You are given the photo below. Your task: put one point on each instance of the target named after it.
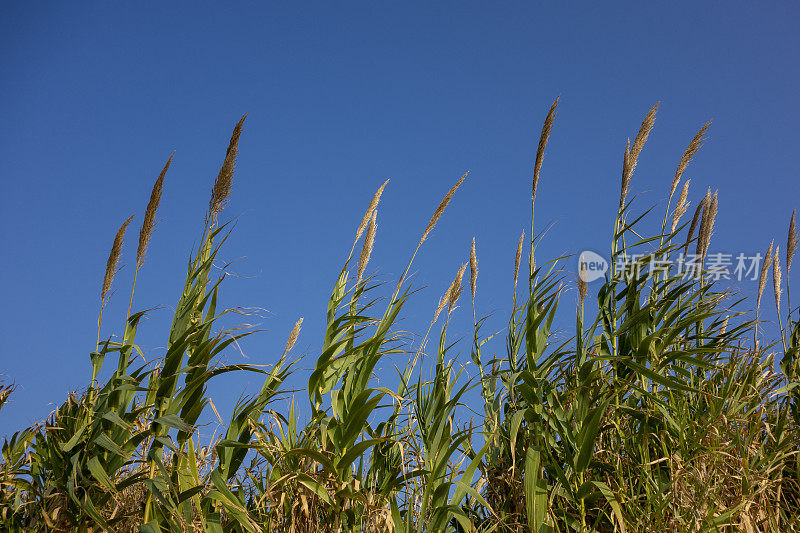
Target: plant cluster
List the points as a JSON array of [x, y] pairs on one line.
[[665, 411]]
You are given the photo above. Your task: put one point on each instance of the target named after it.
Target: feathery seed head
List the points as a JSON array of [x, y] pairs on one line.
[[366, 250], [454, 292], [683, 204], [708, 229], [112, 265], [518, 259], [633, 150], [791, 244], [293, 336], [762, 278], [776, 278], [644, 133], [222, 185], [442, 302], [473, 269], [695, 145], [372, 205], [583, 287], [543, 138], [440, 209], [627, 172], [695, 219], [148, 224], [704, 221]]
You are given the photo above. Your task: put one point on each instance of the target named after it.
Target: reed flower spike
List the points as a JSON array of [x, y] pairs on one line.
[[695, 145], [149, 222], [440, 209], [221, 191], [112, 265]]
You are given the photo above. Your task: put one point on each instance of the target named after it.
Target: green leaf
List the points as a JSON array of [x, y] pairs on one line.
[[589, 430], [535, 490], [658, 378], [175, 422], [99, 473]]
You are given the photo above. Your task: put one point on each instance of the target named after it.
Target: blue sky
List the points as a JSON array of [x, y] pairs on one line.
[[341, 96]]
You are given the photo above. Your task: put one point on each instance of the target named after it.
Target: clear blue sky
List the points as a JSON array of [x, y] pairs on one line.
[[342, 95]]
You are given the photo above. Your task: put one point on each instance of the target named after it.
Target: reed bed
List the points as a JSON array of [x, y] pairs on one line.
[[665, 411]]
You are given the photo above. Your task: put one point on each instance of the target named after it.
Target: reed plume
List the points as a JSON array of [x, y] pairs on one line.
[[791, 244], [776, 279], [224, 182], [434, 219], [583, 287], [643, 134], [626, 175], [704, 220], [703, 223], [112, 265], [145, 234], [543, 138], [372, 205], [632, 151], [707, 226], [293, 336], [695, 219], [366, 250], [451, 295], [791, 248], [473, 269], [518, 259], [695, 145], [454, 292], [440, 306], [762, 278], [683, 204], [148, 224], [440, 209]]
